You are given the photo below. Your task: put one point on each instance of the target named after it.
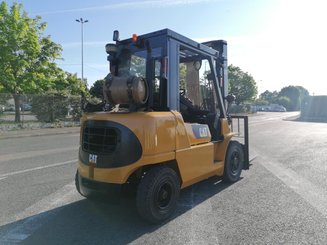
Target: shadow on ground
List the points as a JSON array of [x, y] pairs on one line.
[[97, 222]]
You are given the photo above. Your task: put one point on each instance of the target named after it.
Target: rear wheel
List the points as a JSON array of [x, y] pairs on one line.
[[233, 162], [157, 194]]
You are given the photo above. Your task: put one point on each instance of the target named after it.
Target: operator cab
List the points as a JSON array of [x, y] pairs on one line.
[[164, 71]]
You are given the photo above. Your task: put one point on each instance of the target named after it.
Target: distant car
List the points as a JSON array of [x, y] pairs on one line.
[[279, 109], [26, 107], [276, 108], [10, 108]]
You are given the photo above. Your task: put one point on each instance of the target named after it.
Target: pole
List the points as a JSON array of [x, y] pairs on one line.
[[82, 54], [82, 47], [82, 21]]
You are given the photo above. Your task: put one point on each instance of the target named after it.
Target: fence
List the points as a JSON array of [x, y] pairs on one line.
[[314, 109], [37, 111]]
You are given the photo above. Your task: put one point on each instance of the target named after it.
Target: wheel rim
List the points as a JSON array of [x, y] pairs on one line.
[[235, 163], [163, 196]]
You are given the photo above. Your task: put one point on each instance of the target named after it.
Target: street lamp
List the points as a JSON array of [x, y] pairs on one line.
[[82, 34], [82, 21]]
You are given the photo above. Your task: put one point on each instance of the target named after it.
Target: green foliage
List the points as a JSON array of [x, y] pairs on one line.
[[304, 96], [138, 65], [182, 76], [293, 94], [270, 97], [4, 98], [50, 107], [26, 55], [242, 85], [284, 101], [261, 102], [297, 95], [55, 104], [303, 92], [70, 84], [97, 89], [75, 107], [291, 97]]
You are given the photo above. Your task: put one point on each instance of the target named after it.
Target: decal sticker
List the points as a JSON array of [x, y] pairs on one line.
[[203, 132], [93, 159]]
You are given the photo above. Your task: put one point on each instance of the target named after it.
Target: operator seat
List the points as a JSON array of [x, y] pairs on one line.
[[192, 114]]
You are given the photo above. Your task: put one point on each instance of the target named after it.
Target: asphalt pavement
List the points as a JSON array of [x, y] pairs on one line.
[[282, 199]]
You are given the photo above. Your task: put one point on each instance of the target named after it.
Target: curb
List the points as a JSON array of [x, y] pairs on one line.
[[52, 131]]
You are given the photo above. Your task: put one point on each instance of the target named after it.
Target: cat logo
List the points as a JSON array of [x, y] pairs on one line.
[[203, 132], [93, 159]]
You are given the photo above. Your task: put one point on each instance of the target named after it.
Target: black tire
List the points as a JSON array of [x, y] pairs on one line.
[[157, 194], [234, 162]]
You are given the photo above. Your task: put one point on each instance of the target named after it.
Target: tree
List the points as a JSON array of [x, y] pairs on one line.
[[297, 95], [271, 97], [69, 84], [63, 97], [261, 102], [304, 96], [50, 107], [293, 93], [97, 89], [241, 84], [284, 101], [304, 93], [26, 55], [182, 76]]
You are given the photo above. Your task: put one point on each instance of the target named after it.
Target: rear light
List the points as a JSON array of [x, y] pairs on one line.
[[134, 38]]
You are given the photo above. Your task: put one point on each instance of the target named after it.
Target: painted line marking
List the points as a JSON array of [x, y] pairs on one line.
[[37, 168], [314, 195], [36, 215]]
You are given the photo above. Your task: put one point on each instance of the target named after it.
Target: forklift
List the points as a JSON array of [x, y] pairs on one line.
[[165, 124]]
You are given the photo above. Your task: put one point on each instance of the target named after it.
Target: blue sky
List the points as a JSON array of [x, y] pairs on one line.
[[279, 42]]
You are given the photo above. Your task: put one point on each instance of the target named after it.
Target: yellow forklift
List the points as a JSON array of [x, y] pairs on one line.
[[164, 125]]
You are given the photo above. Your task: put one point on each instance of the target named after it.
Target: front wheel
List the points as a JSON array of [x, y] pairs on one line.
[[157, 194], [234, 162]]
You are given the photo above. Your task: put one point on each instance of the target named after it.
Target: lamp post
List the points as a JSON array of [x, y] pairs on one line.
[[82, 21]]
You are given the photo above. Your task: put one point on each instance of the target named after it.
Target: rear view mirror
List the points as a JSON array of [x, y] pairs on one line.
[[230, 98], [197, 65], [115, 37]]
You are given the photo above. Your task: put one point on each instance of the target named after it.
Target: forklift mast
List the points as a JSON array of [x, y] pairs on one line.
[[221, 65]]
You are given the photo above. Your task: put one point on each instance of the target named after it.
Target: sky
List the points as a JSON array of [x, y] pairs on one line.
[[278, 42]]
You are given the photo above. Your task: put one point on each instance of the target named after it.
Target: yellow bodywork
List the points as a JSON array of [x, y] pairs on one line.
[[165, 138]]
